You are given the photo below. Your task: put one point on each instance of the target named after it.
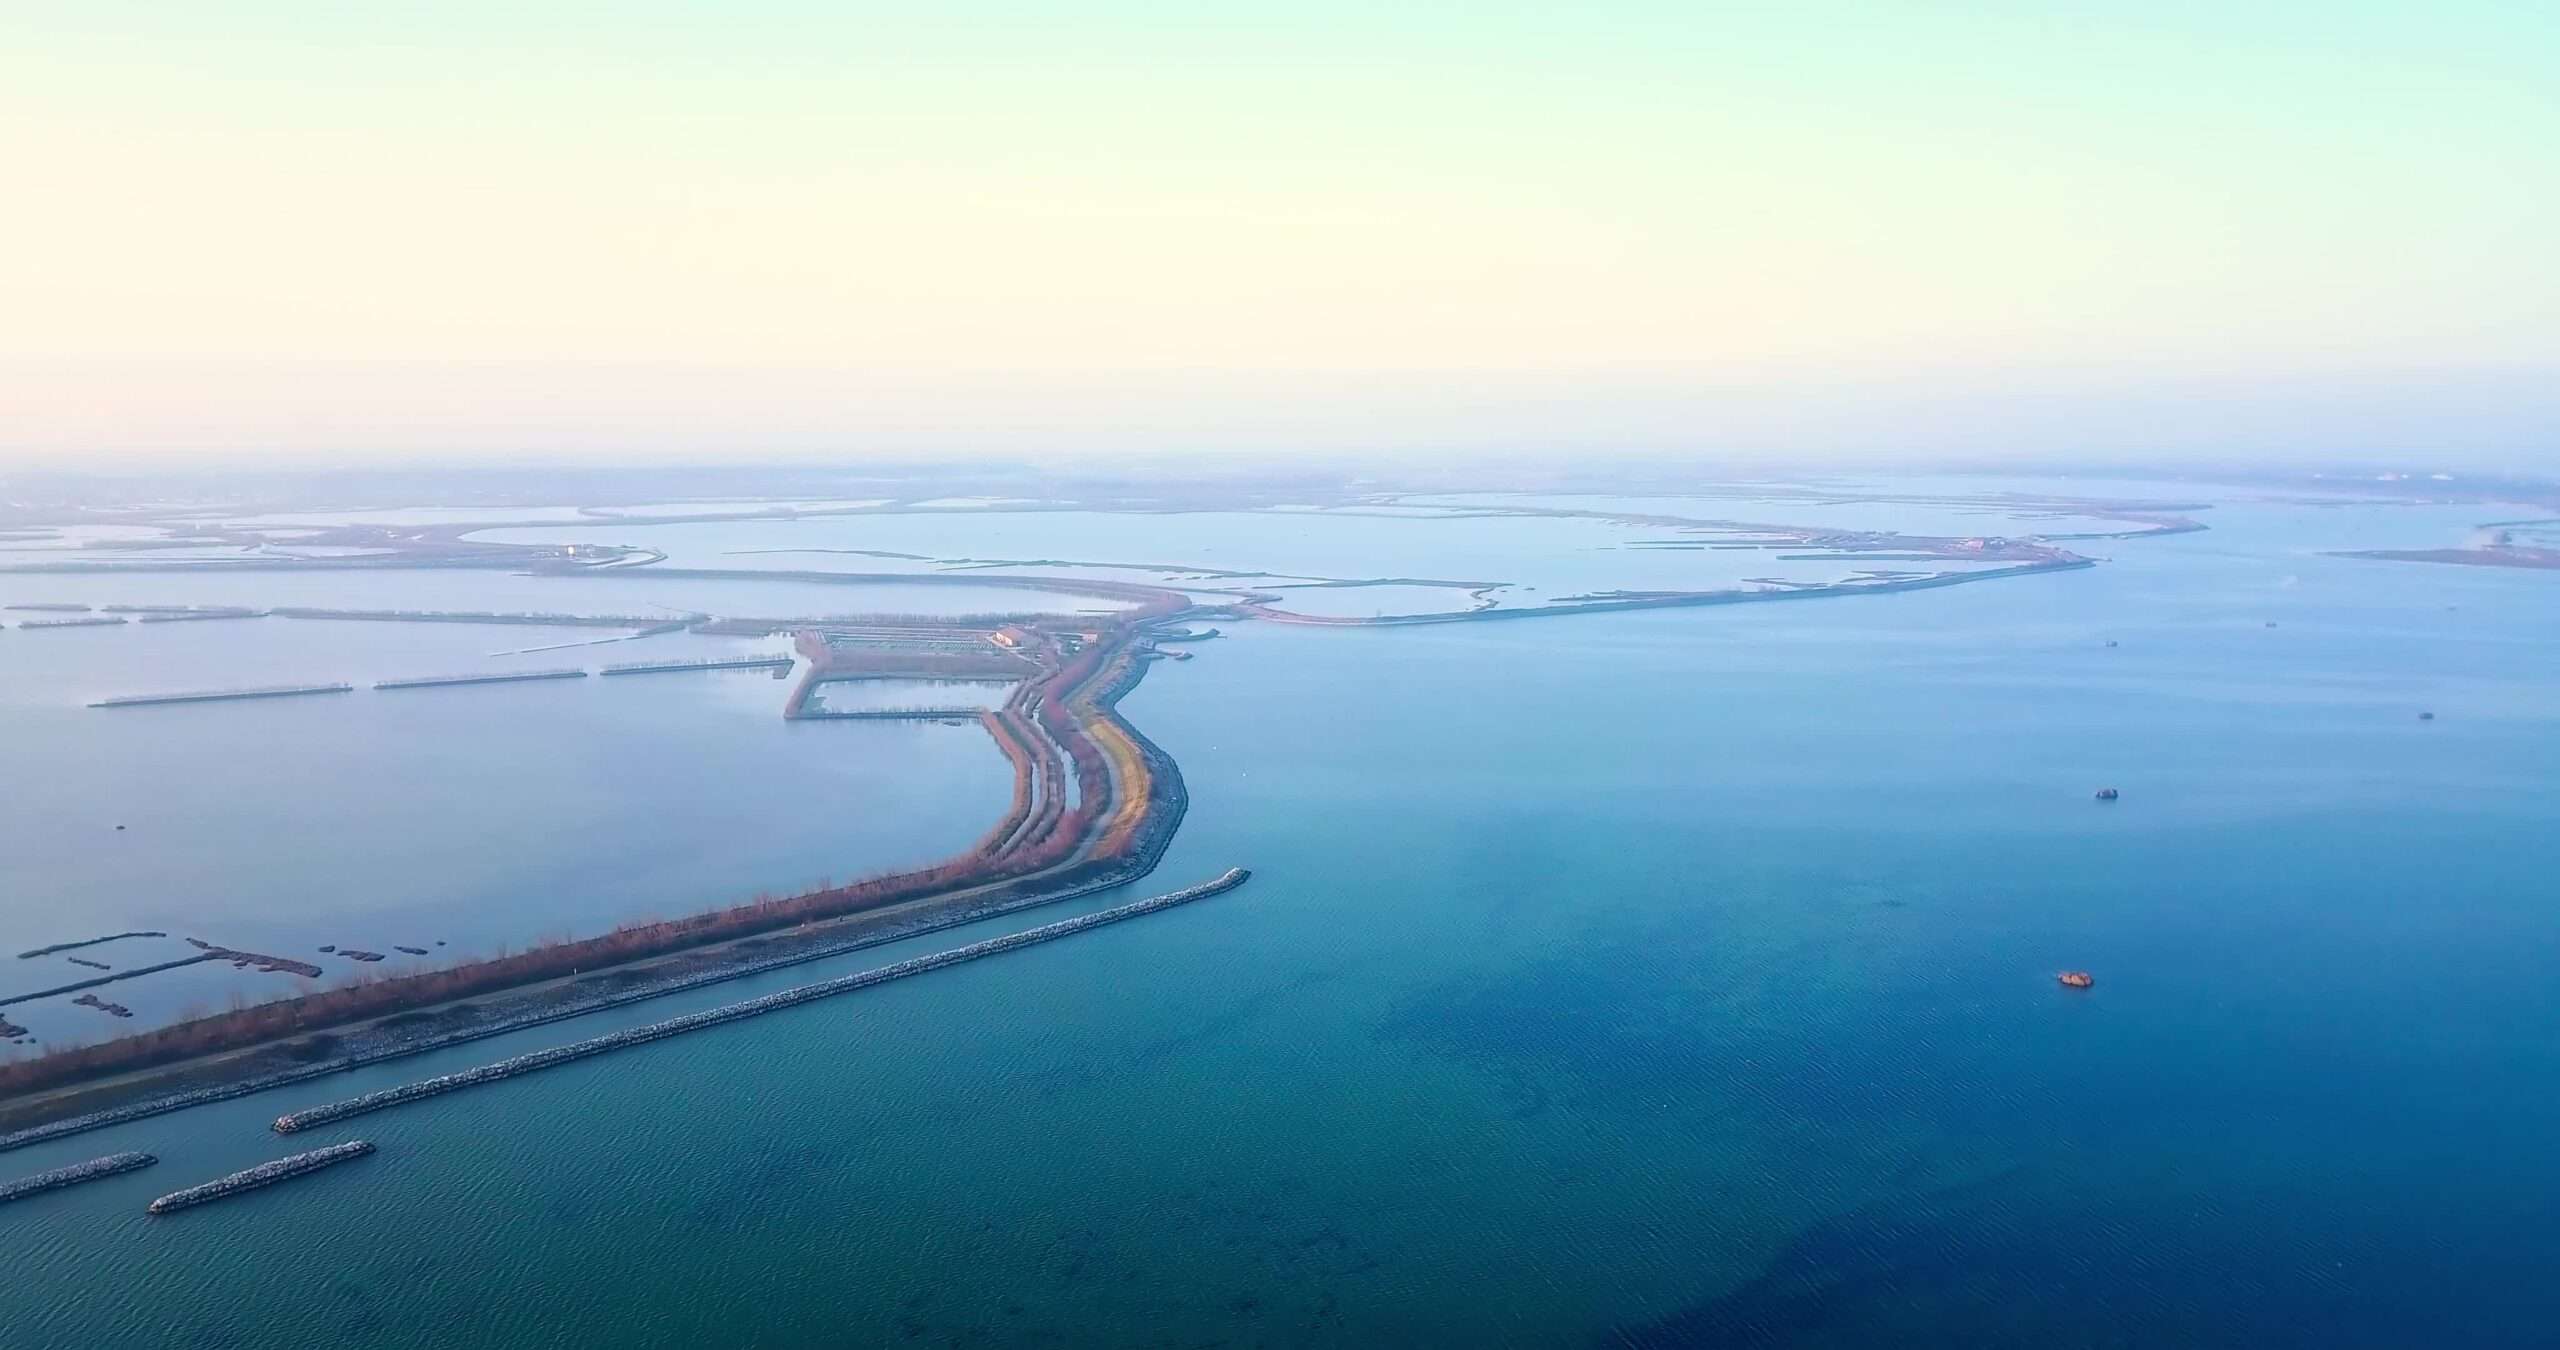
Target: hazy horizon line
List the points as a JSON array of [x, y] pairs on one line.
[[2477, 418]]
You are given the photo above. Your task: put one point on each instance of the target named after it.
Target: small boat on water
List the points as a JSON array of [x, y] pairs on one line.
[[2108, 794], [2076, 979]]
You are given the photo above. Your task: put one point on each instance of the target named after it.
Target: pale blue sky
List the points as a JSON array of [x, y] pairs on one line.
[[2271, 229]]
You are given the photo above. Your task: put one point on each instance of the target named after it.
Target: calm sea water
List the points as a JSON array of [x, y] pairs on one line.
[[473, 817], [1675, 979]]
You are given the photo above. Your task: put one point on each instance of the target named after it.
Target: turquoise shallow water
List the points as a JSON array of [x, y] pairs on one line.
[[1673, 979]]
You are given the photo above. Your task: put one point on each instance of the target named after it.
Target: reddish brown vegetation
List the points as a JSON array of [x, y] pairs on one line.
[[1017, 751]]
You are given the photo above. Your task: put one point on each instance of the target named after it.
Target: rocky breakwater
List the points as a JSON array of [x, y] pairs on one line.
[[264, 1174], [110, 1165], [1081, 852], [788, 998]]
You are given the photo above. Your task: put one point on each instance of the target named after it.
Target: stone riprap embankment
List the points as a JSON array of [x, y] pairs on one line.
[[264, 1174], [111, 1165], [503, 677], [670, 667], [222, 695], [788, 998]]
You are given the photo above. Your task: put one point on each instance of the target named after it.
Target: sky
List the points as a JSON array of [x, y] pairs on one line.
[[2266, 232]]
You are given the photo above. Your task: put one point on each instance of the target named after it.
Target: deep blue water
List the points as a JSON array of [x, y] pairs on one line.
[[1670, 979]]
